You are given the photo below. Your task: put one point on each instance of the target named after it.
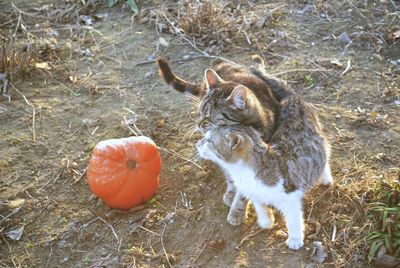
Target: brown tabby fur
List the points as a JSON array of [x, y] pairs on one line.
[[278, 114], [215, 108], [297, 151]]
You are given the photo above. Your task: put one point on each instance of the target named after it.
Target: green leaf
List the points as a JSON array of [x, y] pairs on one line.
[[133, 6], [374, 235], [111, 3], [83, 2], [388, 245], [374, 248]]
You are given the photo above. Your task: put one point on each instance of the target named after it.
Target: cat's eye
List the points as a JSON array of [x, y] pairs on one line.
[[203, 123]]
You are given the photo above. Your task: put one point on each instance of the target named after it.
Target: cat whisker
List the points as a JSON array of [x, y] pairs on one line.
[[193, 98], [189, 134], [172, 152]]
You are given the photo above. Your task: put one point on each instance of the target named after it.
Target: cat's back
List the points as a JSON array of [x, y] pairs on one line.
[[297, 118], [245, 76], [301, 142]]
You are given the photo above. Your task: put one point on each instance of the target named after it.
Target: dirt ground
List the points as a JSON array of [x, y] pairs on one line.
[[100, 80]]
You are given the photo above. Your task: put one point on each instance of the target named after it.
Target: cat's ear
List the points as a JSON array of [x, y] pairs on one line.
[[238, 97], [212, 79], [234, 140]]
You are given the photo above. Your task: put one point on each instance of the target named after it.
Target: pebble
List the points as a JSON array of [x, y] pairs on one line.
[[344, 38]]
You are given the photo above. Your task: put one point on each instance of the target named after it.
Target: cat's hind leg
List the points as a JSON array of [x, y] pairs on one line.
[[293, 214], [237, 212], [265, 215], [326, 177]]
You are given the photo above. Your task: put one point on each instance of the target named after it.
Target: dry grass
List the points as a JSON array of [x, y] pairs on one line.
[[15, 58], [215, 25]]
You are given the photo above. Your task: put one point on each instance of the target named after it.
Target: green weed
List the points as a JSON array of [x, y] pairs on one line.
[[384, 219], [309, 81]]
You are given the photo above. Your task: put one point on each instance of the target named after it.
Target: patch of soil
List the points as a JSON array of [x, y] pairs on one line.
[[100, 82]]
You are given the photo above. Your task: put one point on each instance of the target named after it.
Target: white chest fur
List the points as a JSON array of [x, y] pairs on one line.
[[254, 189]]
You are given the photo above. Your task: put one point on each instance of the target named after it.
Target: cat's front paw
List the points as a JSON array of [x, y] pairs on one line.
[[228, 198], [235, 217], [294, 243]]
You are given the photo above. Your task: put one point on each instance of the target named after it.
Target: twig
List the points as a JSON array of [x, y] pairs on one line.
[[247, 237], [301, 70], [33, 111], [148, 230], [81, 175], [56, 178], [334, 233], [109, 225], [317, 228], [127, 125], [205, 54], [204, 247], [347, 67], [346, 47], [51, 252], [8, 22], [9, 215], [356, 8], [162, 244]]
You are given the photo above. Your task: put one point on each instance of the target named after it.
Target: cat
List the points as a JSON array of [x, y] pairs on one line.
[[230, 93], [224, 103], [277, 173]]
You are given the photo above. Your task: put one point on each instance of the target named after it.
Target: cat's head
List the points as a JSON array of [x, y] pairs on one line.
[[227, 103], [226, 144]]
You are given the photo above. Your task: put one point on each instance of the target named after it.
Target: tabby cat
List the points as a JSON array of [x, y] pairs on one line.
[[257, 105], [277, 173], [232, 94]]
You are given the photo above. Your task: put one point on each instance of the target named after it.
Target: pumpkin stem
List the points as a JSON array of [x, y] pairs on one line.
[[132, 164]]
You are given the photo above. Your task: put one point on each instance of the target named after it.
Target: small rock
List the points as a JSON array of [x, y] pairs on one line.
[[87, 122], [86, 19], [15, 234], [260, 22], [320, 252], [344, 38]]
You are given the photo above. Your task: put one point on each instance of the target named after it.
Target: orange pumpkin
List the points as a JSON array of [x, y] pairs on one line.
[[124, 172]]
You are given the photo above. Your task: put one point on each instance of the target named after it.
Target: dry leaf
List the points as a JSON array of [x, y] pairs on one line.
[[218, 244], [16, 203], [336, 63], [163, 42], [43, 65], [393, 36]]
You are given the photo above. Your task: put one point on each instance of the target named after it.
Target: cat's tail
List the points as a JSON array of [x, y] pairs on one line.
[[176, 82]]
